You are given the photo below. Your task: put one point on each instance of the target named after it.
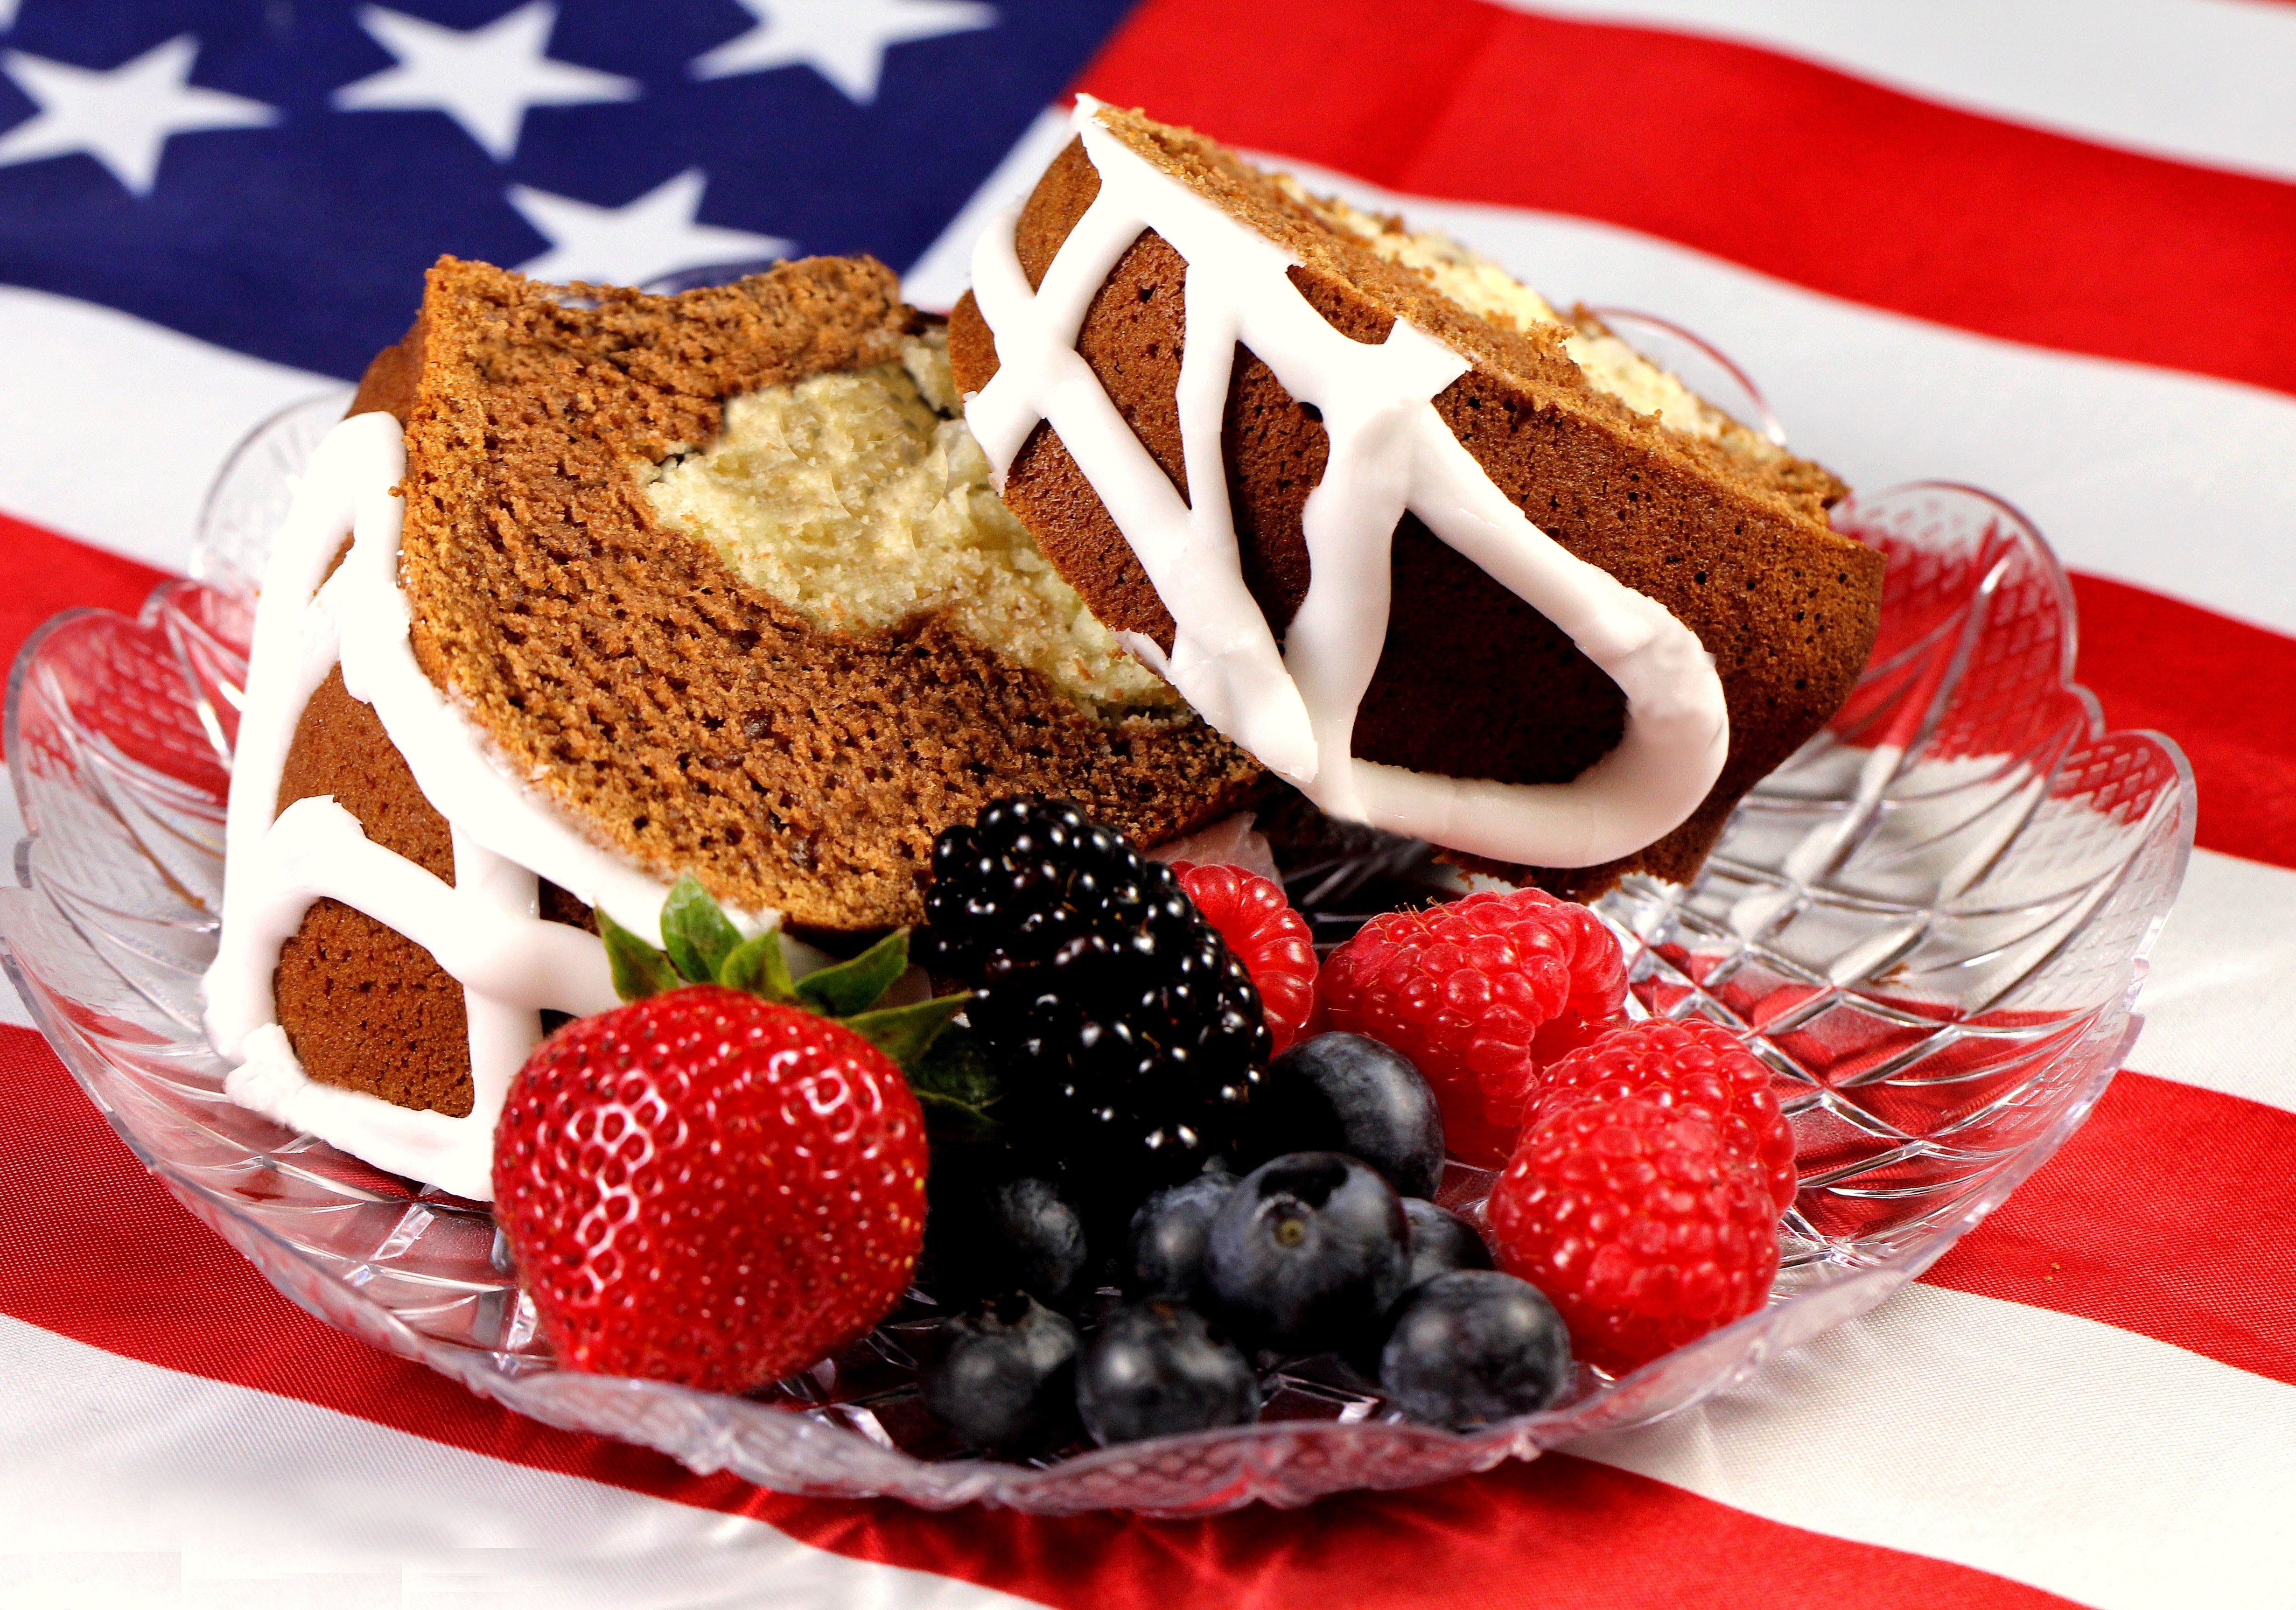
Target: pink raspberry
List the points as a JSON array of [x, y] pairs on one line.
[[1693, 1065], [1270, 939], [1643, 1228], [1480, 993]]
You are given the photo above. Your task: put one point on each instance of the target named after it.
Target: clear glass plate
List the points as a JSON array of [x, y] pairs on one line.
[[1930, 923]]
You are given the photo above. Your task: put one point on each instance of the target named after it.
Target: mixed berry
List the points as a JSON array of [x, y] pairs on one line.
[[1131, 1036], [1144, 1155]]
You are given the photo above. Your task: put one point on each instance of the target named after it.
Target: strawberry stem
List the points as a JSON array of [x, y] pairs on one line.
[[697, 936], [701, 945], [757, 967], [639, 970], [903, 1032], [856, 985]]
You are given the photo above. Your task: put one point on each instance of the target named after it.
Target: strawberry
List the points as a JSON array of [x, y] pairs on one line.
[[719, 1182], [1270, 939]]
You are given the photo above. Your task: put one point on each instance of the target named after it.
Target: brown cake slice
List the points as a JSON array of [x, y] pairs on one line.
[[721, 578], [1609, 456]]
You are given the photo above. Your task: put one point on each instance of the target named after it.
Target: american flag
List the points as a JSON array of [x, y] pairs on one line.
[[2047, 249]]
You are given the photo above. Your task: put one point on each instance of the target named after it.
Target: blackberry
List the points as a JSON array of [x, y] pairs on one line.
[[1130, 1035]]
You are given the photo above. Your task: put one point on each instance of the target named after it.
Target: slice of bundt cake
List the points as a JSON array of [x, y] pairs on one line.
[[779, 641], [1446, 561], [636, 586]]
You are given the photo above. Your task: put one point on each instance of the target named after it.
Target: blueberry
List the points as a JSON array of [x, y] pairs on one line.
[[1307, 1250], [1157, 1369], [1347, 1093], [1475, 1346], [1002, 1376], [1168, 1234], [1441, 1242], [1012, 1235]]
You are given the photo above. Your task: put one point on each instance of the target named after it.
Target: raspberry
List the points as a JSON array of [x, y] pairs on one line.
[[1641, 1225], [1270, 938], [1694, 1065], [1480, 993]]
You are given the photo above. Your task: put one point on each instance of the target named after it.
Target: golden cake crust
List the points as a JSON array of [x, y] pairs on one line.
[[1729, 535]]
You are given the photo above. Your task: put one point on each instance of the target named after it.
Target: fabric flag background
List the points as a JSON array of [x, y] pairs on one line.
[[2047, 249]]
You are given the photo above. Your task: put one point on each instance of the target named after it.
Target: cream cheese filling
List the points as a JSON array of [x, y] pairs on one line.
[[859, 500]]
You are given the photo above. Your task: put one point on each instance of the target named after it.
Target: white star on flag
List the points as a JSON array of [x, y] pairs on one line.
[[484, 78], [844, 41], [7, 13], [121, 116], [646, 240]]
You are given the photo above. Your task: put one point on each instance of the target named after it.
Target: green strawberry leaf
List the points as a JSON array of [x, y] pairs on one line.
[[701, 945], [639, 970], [959, 1090], [903, 1033], [951, 1123], [695, 933], [757, 967], [859, 984], [955, 1070]]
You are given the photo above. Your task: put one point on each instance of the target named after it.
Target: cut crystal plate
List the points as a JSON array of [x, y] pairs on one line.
[[1930, 923]]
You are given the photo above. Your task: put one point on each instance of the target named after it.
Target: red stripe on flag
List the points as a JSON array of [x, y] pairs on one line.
[[2153, 1219], [1792, 169], [2218, 687], [1561, 1534], [94, 1249], [46, 572]]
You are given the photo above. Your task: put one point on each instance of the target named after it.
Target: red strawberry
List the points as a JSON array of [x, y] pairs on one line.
[[711, 1188], [1480, 993], [1694, 1065], [1271, 939], [1642, 1226]]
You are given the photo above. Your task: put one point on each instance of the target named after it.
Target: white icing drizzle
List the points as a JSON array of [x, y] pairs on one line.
[[1294, 707], [484, 929]]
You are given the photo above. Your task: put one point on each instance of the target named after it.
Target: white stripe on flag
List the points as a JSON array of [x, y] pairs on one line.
[[125, 1484], [2203, 81], [2170, 480], [2084, 1459], [1985, 1432], [111, 429], [2215, 1003]]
